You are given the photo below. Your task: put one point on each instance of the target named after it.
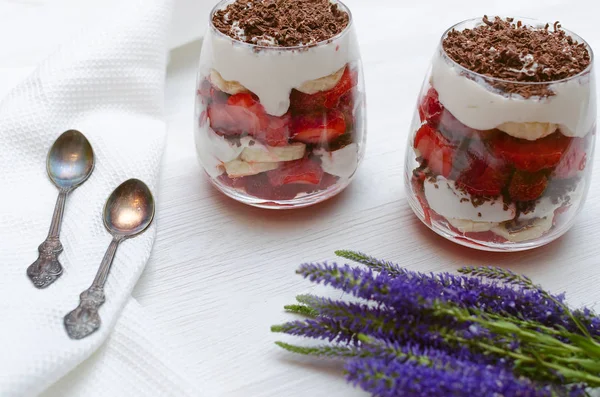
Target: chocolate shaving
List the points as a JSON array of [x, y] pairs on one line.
[[281, 23], [515, 52]]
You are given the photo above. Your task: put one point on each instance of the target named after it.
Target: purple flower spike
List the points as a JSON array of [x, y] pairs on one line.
[[391, 378]]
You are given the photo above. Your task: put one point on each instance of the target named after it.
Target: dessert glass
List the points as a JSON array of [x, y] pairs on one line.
[[496, 171], [280, 127]]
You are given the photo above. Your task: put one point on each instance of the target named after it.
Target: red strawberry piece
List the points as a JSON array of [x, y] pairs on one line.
[[203, 118], [242, 114], [531, 156], [473, 237], [526, 186], [288, 192], [573, 160], [348, 80], [453, 129], [435, 149], [301, 102], [221, 120], [346, 106], [318, 127], [327, 181], [302, 171], [277, 131], [211, 94], [417, 181], [205, 89], [258, 186], [236, 183], [483, 178], [430, 108]]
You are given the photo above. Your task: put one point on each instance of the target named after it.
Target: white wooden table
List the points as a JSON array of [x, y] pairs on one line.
[[221, 272]]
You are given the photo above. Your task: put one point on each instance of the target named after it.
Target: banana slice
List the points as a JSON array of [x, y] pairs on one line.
[[322, 84], [239, 168], [467, 226], [230, 87], [258, 152], [530, 131], [536, 229]]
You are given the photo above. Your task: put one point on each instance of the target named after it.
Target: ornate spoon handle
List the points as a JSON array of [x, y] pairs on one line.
[[85, 320], [47, 269]]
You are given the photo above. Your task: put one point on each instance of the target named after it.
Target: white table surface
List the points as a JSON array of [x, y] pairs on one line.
[[221, 271]]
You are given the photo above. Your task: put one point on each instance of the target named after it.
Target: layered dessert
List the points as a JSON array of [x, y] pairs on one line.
[[506, 131], [280, 101]]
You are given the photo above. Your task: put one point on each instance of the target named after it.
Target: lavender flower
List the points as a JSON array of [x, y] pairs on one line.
[[396, 287], [487, 332], [390, 378]]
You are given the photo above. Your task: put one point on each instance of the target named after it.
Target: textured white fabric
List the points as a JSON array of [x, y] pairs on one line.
[[107, 81], [132, 362]]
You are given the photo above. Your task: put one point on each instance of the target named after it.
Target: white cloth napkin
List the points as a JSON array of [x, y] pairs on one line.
[[107, 81]]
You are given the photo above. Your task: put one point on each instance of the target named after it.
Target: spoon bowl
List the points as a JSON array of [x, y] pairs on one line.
[[70, 160], [130, 209]]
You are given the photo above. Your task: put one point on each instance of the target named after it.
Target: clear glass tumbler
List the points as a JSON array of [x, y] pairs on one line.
[[280, 127], [497, 171]]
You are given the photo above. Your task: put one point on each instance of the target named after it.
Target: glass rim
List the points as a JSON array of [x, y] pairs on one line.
[[533, 23], [252, 46]]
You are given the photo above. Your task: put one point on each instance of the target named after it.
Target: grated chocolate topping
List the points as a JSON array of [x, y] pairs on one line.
[[515, 52], [281, 23]]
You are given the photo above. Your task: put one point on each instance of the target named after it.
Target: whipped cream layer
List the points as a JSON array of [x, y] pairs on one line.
[[342, 162], [478, 105], [272, 72], [450, 202]]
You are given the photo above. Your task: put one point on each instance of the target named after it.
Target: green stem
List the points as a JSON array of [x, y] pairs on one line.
[[570, 375], [328, 351]]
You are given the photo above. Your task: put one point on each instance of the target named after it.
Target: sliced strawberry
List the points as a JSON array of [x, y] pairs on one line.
[[430, 108], [205, 89], [526, 186], [301, 102], [348, 80], [327, 181], [417, 181], [435, 149], [236, 183], [277, 132], [259, 186], [473, 238], [483, 178], [303, 171], [211, 94], [531, 156], [573, 160], [318, 127], [221, 120], [346, 106], [453, 129], [242, 114], [202, 119]]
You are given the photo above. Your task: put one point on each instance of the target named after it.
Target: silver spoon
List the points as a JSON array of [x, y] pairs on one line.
[[70, 162], [128, 212]]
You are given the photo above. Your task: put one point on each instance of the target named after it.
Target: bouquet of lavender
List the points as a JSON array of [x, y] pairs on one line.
[[487, 332]]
